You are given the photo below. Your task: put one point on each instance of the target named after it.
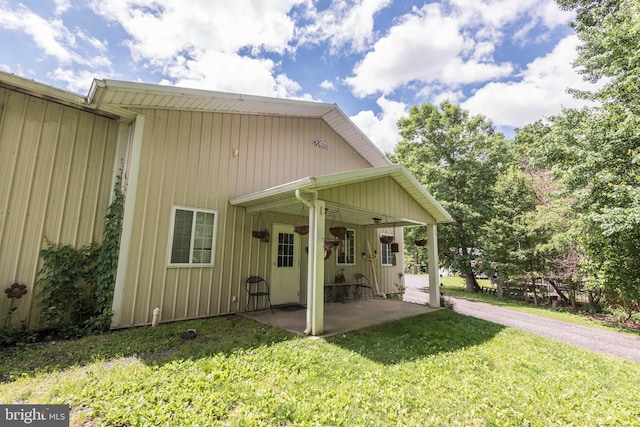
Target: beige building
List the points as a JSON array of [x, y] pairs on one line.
[[203, 171]]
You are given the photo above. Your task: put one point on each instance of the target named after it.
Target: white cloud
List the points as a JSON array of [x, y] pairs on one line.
[[425, 46], [327, 85], [78, 82], [497, 14], [344, 25], [453, 97], [62, 6], [214, 45], [55, 40], [541, 91], [166, 28], [51, 36], [382, 129]]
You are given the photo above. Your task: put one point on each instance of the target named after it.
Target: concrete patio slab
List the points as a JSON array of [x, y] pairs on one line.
[[341, 317]]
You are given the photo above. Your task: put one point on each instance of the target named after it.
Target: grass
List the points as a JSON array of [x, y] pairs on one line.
[[455, 286], [441, 368]]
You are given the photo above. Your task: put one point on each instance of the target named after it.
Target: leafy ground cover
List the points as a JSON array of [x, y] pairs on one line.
[[441, 368], [454, 286]]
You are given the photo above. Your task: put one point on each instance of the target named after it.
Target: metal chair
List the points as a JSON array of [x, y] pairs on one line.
[[257, 287], [364, 284]]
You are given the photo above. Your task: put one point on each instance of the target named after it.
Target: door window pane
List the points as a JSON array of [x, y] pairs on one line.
[[285, 249]]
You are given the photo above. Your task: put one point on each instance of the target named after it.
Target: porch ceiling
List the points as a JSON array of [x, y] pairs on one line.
[[282, 198]]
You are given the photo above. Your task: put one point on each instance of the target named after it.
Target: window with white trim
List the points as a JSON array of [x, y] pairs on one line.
[[192, 236], [346, 254], [387, 257]]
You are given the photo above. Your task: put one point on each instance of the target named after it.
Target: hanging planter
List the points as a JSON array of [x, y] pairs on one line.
[[338, 232], [420, 242], [327, 252], [263, 235], [386, 239], [332, 244], [259, 234], [302, 230]]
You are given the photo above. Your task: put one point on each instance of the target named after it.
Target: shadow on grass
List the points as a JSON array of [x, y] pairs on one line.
[[417, 337], [152, 345]]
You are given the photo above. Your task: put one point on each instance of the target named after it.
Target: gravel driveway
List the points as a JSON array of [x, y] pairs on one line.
[[599, 340]]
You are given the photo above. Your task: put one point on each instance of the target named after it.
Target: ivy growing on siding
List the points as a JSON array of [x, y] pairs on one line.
[[107, 262], [78, 284]]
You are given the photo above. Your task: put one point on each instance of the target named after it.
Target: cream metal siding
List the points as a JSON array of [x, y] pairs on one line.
[[190, 159], [56, 169], [382, 195]]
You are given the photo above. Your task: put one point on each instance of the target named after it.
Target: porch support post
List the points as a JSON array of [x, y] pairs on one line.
[[317, 266], [434, 263]]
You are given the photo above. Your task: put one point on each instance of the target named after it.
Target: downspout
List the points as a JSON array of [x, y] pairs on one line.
[[312, 246]]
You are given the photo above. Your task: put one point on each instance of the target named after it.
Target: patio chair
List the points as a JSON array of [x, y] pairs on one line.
[[257, 287], [363, 285]]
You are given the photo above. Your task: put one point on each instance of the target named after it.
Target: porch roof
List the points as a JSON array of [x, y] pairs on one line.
[[282, 198]]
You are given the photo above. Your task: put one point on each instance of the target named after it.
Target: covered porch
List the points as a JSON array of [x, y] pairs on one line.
[[371, 199], [342, 317]]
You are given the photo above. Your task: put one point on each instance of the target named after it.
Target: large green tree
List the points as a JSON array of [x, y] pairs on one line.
[[458, 158], [555, 226], [597, 151]]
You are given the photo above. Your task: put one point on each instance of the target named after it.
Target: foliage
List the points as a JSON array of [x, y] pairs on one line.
[[17, 336], [66, 297], [458, 159], [107, 262], [77, 284], [436, 369], [510, 245], [10, 335], [595, 152]]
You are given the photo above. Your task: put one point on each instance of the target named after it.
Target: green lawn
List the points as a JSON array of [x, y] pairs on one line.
[[441, 368]]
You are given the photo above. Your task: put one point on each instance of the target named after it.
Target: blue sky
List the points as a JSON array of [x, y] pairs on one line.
[[509, 60]]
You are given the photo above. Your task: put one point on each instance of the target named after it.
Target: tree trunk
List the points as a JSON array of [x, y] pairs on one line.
[[563, 297], [471, 283], [499, 286], [594, 299], [572, 297]]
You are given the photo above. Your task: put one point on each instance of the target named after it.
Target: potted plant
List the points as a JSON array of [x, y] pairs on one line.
[[386, 239]]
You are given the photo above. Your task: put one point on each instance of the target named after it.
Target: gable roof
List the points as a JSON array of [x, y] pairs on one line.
[[282, 198], [117, 97]]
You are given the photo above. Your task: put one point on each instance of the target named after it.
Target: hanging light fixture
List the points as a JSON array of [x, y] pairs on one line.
[[395, 247]]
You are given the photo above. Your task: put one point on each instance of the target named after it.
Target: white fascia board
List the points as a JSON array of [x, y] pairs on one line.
[[207, 94], [273, 191]]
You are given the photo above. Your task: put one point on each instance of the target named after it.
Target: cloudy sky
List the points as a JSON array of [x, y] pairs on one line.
[[509, 60]]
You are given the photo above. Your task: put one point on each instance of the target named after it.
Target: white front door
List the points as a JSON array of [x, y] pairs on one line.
[[285, 260]]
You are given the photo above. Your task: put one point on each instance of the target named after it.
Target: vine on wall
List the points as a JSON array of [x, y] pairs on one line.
[[77, 284]]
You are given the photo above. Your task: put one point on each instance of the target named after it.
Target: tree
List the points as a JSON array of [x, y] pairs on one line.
[[555, 226], [597, 151], [510, 238], [458, 159]]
